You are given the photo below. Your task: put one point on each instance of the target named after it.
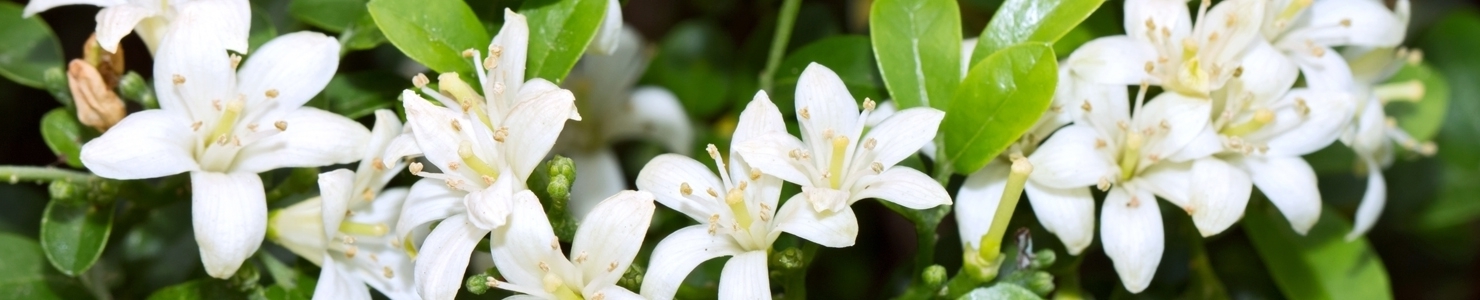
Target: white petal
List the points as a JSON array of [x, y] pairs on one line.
[[654, 114], [1290, 184], [745, 277], [1069, 159], [229, 212], [188, 53], [901, 135], [116, 21], [832, 229], [1171, 14], [443, 258], [1114, 60], [1131, 228], [229, 21], [1369, 23], [1267, 73], [520, 249], [431, 126], [665, 175], [489, 208], [678, 254], [771, 154], [513, 39], [760, 117], [429, 200], [1098, 105], [977, 201], [616, 293], [600, 176], [533, 125], [1330, 112], [147, 144], [403, 146], [296, 65], [1221, 193], [1205, 144], [338, 282], [827, 105], [1068, 213], [37, 6], [336, 188], [904, 186], [1229, 28], [1184, 117], [314, 138], [1169, 180], [1327, 72], [610, 31], [1372, 200], [612, 234]]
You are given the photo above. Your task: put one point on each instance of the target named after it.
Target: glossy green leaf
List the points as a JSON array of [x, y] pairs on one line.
[[694, 62], [851, 56], [1001, 97], [918, 46], [205, 288], [332, 15], [1319, 265], [25, 275], [74, 234], [1456, 203], [64, 135], [30, 47], [1423, 117], [355, 95], [363, 34], [559, 32], [1019, 21], [432, 32], [1450, 44]]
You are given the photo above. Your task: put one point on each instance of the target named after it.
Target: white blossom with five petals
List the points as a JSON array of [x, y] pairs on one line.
[[528, 254], [231, 19]]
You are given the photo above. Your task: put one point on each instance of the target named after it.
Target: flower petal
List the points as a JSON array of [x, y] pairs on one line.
[[533, 126], [294, 67], [403, 146], [1230, 28], [429, 200], [1290, 183], [1221, 194], [1069, 159], [1267, 73], [1178, 120], [115, 22], [513, 42], [664, 177], [190, 70], [1170, 14], [1205, 144], [611, 236], [653, 114], [610, 31], [444, 257], [313, 138], [229, 21], [1372, 200], [338, 282], [823, 103], [601, 176], [678, 254], [1131, 228], [1329, 114], [832, 229], [1113, 60], [37, 6], [1168, 180], [760, 117], [771, 153], [1068, 213], [147, 144], [900, 136], [488, 208], [745, 277], [229, 212], [977, 201], [522, 249], [336, 188], [904, 186], [1353, 23]]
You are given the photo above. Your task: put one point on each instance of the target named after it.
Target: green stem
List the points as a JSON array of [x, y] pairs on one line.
[[796, 283], [784, 24], [992, 242], [16, 174], [960, 285]]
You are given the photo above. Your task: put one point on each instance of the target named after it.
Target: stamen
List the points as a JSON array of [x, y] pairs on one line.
[[684, 189], [228, 120], [236, 60], [362, 229], [420, 81], [281, 125], [1261, 117], [1086, 107], [805, 114], [465, 151], [178, 79], [415, 168], [1410, 91], [387, 272], [735, 199], [839, 149], [1130, 156], [868, 104], [501, 134]]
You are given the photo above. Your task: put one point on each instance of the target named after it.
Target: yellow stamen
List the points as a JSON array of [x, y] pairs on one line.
[[377, 229], [1261, 117], [472, 161], [227, 121], [839, 148]]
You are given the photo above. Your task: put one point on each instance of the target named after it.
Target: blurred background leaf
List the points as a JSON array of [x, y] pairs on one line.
[[30, 47]]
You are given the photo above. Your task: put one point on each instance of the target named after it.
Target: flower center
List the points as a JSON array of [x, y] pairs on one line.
[[556, 286], [1130, 155], [835, 167]]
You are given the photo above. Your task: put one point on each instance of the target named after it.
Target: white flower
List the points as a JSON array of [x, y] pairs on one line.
[[1163, 47], [225, 126], [528, 254], [609, 34], [738, 213], [230, 19], [485, 147], [604, 85], [835, 162], [346, 230]]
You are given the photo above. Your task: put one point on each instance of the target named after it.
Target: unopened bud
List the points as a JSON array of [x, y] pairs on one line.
[[1039, 282], [478, 283], [564, 166], [934, 275], [97, 106], [1043, 259], [55, 81], [67, 192]]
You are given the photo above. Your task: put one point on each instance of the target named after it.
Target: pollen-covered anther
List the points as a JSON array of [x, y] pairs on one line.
[[501, 134], [415, 168], [1057, 108], [711, 192], [544, 266], [805, 114], [868, 104], [387, 272], [271, 93], [350, 253], [1086, 107], [828, 133], [177, 79], [378, 164], [554, 244], [870, 143], [216, 104], [281, 125], [581, 258], [598, 296], [1122, 125], [487, 180], [196, 126], [1150, 66], [368, 195], [611, 267], [1238, 72], [1135, 202], [684, 189], [420, 80], [1165, 125], [877, 167], [1213, 37], [1103, 184], [495, 51], [1100, 144], [1302, 107], [236, 60], [1427, 148], [469, 53], [252, 127], [755, 173], [453, 165], [491, 282], [456, 126], [1153, 157], [1346, 22]]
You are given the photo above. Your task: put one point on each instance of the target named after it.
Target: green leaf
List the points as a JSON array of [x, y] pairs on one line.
[[331, 15], [1456, 203], [1450, 45], [694, 61], [64, 135], [30, 47], [1019, 21], [263, 29], [432, 32], [1001, 98], [1000, 291], [851, 56], [355, 95], [74, 234], [1319, 265], [206, 288], [559, 32], [361, 35], [918, 46], [1421, 118], [23, 275]]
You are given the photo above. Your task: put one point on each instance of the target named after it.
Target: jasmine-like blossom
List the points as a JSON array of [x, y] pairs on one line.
[[346, 230], [529, 257], [484, 145], [1163, 46], [604, 84], [224, 126], [230, 19], [836, 162], [737, 211]]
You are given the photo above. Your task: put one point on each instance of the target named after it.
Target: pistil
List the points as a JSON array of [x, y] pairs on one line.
[[835, 167], [465, 150], [228, 119], [1261, 117], [1130, 157], [362, 229]]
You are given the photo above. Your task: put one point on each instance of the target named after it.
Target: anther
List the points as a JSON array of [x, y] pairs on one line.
[[415, 168], [281, 125], [611, 267], [420, 80], [581, 258], [755, 174], [236, 60], [1346, 22], [272, 93], [1135, 202], [711, 192], [178, 79], [196, 126], [378, 164], [877, 167], [544, 266], [469, 53], [870, 143], [1086, 107], [1238, 72], [868, 104], [1100, 144], [350, 253], [1150, 66], [252, 127], [805, 114], [501, 134], [1103, 184], [456, 126], [387, 272], [684, 189]]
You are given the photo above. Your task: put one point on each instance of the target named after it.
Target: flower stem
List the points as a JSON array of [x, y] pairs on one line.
[[784, 24], [16, 174], [960, 285], [992, 242]]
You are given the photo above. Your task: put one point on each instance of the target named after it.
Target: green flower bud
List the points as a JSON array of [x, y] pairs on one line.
[[789, 259], [1042, 259], [133, 87], [934, 275], [632, 279], [478, 283], [68, 192], [55, 80]]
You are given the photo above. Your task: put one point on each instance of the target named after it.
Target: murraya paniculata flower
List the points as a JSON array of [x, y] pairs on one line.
[[224, 126], [483, 148], [603, 85], [529, 256], [737, 211], [230, 20], [346, 230]]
